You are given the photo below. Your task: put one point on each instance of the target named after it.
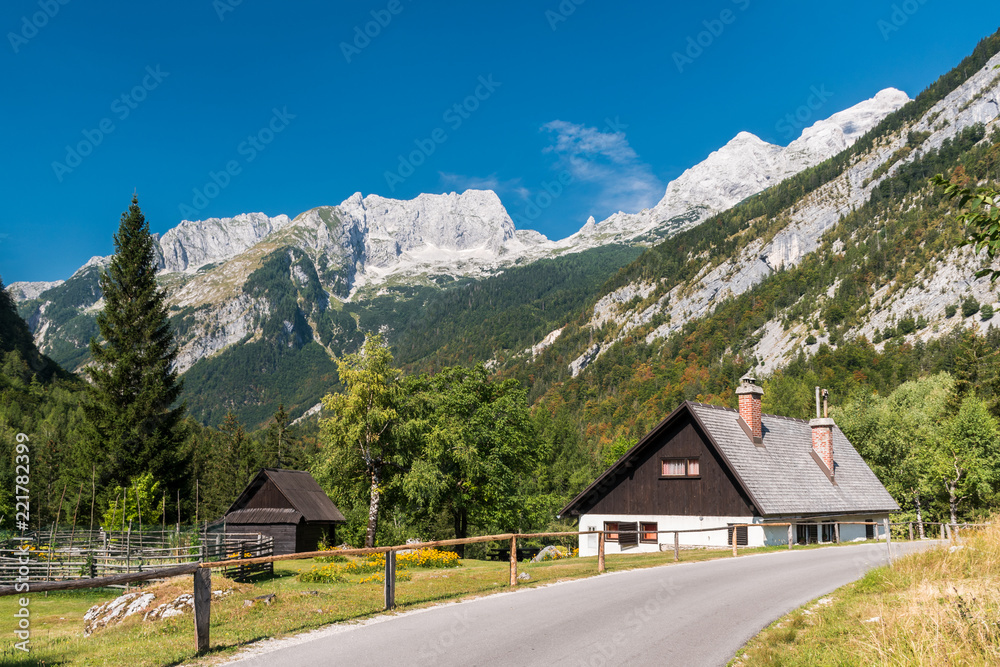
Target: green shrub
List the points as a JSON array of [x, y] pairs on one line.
[[986, 312], [970, 306], [810, 340], [950, 310]]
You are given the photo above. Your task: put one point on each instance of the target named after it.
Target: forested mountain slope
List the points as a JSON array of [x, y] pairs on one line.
[[849, 274]]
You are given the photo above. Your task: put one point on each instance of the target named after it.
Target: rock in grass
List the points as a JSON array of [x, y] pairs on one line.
[[266, 599], [179, 605], [110, 613], [550, 553]]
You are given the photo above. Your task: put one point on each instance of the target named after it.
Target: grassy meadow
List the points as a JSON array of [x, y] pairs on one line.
[[57, 618], [939, 607]]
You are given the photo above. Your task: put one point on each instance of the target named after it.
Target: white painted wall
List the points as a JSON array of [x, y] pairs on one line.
[[716, 538], [757, 537]]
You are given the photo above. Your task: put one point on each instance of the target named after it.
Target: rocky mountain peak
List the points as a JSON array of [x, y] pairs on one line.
[[193, 244], [744, 166]]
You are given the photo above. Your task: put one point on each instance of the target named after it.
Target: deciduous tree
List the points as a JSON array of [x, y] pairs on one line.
[[477, 447], [980, 210], [362, 450], [965, 461]]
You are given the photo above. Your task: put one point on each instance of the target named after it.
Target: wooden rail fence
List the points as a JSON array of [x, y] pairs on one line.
[[202, 570], [54, 556]]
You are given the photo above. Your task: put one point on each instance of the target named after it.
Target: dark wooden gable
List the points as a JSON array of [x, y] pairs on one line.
[[268, 495], [278, 489], [634, 485]]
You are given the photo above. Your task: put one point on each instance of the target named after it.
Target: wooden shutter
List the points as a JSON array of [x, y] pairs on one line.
[[628, 534], [741, 537]]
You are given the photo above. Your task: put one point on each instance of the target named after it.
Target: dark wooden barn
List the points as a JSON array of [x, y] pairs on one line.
[[287, 505]]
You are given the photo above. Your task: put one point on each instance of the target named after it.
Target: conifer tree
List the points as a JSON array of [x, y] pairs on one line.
[[134, 426], [277, 445], [232, 462]]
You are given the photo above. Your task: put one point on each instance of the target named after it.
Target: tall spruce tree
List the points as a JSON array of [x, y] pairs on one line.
[[133, 423], [277, 444]]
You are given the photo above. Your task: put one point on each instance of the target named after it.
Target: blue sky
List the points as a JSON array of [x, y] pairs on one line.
[[209, 109]]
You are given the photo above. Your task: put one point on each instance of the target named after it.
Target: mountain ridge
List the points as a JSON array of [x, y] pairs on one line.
[[373, 250], [191, 245]]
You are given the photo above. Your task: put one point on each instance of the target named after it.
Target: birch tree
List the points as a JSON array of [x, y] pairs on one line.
[[966, 462], [360, 443]]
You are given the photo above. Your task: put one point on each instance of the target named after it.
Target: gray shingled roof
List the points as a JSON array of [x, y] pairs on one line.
[[782, 476], [305, 494], [301, 491], [263, 515]]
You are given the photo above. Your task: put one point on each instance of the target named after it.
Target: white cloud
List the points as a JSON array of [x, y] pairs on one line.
[[604, 159]]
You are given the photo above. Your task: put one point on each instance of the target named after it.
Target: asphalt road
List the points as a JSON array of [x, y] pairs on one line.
[[685, 614]]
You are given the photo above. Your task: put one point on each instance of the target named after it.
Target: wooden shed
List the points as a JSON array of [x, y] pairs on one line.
[[287, 505]]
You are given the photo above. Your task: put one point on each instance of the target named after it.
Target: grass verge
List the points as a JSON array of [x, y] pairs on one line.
[[57, 618], [938, 607]]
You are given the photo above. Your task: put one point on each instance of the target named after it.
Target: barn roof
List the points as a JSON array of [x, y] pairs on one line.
[[301, 491], [781, 477], [263, 515]]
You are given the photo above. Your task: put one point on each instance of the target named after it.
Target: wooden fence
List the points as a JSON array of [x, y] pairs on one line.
[[202, 571], [66, 555]]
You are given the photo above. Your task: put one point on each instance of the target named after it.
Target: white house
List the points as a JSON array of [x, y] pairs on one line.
[[710, 467]]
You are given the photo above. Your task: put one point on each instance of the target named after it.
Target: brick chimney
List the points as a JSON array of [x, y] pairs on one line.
[[750, 394], [822, 433]]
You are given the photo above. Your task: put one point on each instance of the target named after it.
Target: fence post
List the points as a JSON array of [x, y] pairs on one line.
[[513, 560], [202, 606], [677, 546], [128, 551], [790, 531], [390, 580], [600, 552], [942, 530], [836, 532], [888, 539], [911, 531], [733, 533]]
